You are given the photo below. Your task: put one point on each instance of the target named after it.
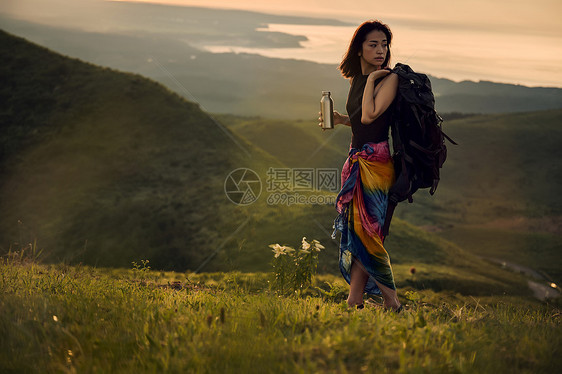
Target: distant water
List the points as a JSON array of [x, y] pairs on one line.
[[326, 44], [457, 54]]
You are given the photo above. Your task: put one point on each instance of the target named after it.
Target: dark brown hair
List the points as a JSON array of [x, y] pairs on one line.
[[351, 65]]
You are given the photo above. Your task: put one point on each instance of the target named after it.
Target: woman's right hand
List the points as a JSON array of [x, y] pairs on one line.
[[340, 119], [378, 74]]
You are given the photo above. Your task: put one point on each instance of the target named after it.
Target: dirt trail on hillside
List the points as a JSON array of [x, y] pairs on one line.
[[541, 290]]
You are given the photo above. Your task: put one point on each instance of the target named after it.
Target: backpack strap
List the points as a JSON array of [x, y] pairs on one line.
[[449, 139], [422, 149], [388, 217], [355, 112], [434, 186]]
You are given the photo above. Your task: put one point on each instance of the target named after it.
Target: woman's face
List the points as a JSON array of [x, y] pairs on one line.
[[374, 50]]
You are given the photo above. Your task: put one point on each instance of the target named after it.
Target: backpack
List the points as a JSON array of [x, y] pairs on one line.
[[418, 141]]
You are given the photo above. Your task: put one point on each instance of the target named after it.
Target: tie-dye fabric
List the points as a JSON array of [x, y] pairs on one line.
[[367, 175]]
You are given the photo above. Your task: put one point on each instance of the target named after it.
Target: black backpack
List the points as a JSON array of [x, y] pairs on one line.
[[418, 140]]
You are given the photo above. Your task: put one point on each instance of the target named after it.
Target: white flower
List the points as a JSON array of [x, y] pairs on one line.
[[278, 250], [318, 246], [305, 244]]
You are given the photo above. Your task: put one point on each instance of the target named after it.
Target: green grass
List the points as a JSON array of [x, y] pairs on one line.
[[60, 318]]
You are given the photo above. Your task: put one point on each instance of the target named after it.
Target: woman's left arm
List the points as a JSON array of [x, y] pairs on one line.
[[376, 101]]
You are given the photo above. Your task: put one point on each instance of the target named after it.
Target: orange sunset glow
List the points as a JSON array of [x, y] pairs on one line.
[[504, 41]]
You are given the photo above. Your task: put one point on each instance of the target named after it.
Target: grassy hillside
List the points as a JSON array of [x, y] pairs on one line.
[[500, 190], [106, 167], [294, 143], [83, 319]]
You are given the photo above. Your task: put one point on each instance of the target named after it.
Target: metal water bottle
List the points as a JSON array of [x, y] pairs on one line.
[[327, 110]]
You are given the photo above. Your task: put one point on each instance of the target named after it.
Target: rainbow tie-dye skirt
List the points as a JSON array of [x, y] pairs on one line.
[[367, 175]]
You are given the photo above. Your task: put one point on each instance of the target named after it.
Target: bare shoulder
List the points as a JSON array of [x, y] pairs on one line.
[[389, 82], [392, 77]]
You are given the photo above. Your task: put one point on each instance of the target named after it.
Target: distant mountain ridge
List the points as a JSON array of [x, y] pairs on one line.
[[245, 84], [492, 97]]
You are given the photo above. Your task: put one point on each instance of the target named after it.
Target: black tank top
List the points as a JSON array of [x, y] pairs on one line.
[[376, 131]]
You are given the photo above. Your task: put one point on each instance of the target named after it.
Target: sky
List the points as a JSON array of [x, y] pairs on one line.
[[507, 41]]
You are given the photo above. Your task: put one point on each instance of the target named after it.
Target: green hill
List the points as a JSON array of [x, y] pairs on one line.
[[107, 167], [500, 190], [104, 167]]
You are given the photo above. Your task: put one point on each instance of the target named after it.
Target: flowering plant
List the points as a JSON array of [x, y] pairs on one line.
[[293, 269]]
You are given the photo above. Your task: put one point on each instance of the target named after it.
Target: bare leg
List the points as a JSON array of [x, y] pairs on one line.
[[357, 281], [390, 297]]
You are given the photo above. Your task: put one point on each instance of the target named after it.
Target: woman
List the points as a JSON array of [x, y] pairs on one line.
[[368, 172]]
